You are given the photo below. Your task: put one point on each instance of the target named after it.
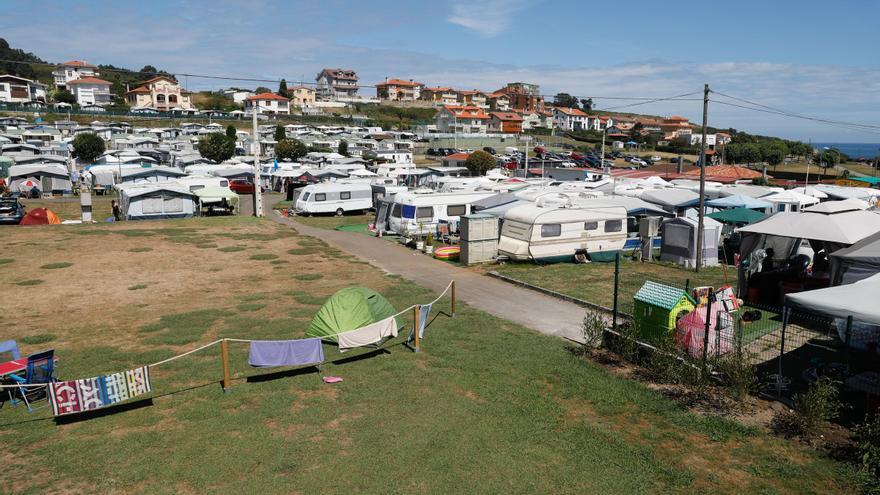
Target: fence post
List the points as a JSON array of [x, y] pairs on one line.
[[785, 315], [616, 290], [416, 343], [224, 352], [687, 285], [848, 340], [453, 298], [706, 329]]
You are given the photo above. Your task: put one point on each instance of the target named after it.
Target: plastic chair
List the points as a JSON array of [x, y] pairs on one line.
[[10, 347], [40, 370]]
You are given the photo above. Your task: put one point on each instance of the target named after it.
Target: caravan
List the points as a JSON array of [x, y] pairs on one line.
[[548, 234], [418, 212], [334, 197]]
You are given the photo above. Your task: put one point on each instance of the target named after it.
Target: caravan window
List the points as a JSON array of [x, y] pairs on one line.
[[395, 211], [306, 196], [613, 225], [151, 204], [425, 213], [591, 225], [456, 210], [320, 197], [173, 204], [551, 230], [224, 183], [196, 187], [345, 195]]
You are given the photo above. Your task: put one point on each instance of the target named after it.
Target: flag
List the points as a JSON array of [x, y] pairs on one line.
[[275, 167]]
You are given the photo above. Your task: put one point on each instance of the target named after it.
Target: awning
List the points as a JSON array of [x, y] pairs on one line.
[[844, 228], [738, 201], [842, 301], [738, 216]]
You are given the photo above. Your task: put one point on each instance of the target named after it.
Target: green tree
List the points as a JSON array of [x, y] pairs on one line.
[[565, 100], [262, 89], [750, 153], [230, 132], [773, 154], [587, 105], [290, 149], [343, 148], [87, 147], [149, 70], [63, 96], [280, 133], [479, 162], [282, 89], [216, 147]]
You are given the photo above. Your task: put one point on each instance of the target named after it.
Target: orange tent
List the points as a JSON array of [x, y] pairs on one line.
[[40, 216]]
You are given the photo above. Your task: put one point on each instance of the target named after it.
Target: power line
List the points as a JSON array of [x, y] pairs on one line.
[[655, 100], [795, 115], [857, 128]]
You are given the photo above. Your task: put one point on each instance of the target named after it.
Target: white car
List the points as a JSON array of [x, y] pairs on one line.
[[655, 158], [639, 162]]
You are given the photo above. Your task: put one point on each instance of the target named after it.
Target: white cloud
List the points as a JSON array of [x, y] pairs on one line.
[[486, 17]]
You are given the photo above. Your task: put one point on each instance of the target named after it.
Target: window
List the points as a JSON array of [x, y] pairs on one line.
[[395, 211], [425, 213], [320, 197], [196, 187], [551, 230], [591, 225], [151, 204], [345, 195], [456, 210], [224, 183], [173, 204], [306, 196], [794, 207], [613, 225], [160, 98], [780, 207]]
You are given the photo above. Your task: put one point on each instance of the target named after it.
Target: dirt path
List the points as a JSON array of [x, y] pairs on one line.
[[531, 309]]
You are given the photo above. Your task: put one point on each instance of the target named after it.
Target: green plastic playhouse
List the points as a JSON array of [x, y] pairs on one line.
[[657, 307]]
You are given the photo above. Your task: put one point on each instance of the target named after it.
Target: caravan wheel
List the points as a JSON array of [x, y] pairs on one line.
[[339, 212]]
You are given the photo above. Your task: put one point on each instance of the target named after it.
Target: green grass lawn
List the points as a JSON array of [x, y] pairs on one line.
[[68, 208], [331, 222], [487, 406]]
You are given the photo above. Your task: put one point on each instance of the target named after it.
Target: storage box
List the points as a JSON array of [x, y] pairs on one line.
[[473, 252], [479, 227]]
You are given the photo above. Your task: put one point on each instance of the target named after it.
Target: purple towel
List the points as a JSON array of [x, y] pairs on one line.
[[264, 353]]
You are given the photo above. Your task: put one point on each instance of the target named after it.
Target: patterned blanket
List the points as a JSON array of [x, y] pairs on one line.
[[87, 394]]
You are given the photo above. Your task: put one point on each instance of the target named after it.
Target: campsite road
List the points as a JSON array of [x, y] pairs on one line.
[[529, 308]]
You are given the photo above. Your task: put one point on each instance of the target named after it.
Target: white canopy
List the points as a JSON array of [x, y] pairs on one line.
[[843, 300], [791, 197], [838, 206], [810, 191], [362, 173], [845, 228]]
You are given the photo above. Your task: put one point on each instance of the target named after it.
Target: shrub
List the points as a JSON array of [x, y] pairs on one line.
[[594, 330], [668, 364], [867, 437], [625, 343], [819, 403], [740, 376]]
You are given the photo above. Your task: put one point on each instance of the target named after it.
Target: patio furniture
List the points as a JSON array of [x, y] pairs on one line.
[[40, 369]]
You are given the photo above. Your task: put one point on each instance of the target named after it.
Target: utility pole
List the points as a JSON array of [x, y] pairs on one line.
[[702, 211], [258, 194], [602, 155]]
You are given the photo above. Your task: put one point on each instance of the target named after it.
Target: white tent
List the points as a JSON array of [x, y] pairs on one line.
[[790, 200], [857, 262], [829, 207], [844, 228], [842, 301], [810, 191], [151, 200]]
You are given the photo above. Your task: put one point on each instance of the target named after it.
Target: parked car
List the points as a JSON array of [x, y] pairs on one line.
[[243, 186], [431, 152], [655, 158], [489, 149], [11, 211]]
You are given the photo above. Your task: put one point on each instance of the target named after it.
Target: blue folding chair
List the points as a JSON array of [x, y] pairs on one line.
[[40, 370], [9, 347]]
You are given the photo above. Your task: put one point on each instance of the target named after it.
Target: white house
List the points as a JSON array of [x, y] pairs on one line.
[[14, 89], [463, 119], [71, 71], [91, 91], [334, 84], [238, 95], [268, 103], [571, 119]]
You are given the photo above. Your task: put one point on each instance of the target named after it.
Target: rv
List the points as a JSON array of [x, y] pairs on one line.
[[195, 182], [334, 197], [418, 212], [548, 234]]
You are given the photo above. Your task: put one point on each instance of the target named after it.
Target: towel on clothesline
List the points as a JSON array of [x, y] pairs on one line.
[[367, 335], [424, 313], [266, 353]]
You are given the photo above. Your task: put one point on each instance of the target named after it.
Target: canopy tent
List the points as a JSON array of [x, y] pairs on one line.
[[810, 191], [747, 190], [40, 216], [671, 199], [796, 200], [738, 201], [843, 192], [349, 309], [857, 262], [829, 207], [737, 216], [842, 301], [656, 181], [845, 228], [214, 195]]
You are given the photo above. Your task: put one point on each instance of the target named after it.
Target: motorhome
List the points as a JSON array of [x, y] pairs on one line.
[[419, 212], [195, 182], [547, 234], [334, 197]]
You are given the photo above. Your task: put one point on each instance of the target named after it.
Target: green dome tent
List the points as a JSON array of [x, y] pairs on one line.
[[349, 309]]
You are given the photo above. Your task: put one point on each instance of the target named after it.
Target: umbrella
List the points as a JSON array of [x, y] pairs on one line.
[[27, 185]]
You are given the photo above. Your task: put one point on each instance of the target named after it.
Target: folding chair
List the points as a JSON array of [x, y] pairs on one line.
[[9, 351], [40, 370]]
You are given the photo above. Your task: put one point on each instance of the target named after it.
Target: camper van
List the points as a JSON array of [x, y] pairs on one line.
[[548, 234], [334, 197], [196, 182], [418, 212]]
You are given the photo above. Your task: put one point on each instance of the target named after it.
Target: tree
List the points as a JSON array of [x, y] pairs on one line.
[[773, 154], [87, 147], [62, 96], [280, 133], [282, 89], [565, 100], [479, 162], [750, 153], [231, 132], [343, 148], [290, 149], [216, 147], [262, 89], [149, 70], [587, 104]]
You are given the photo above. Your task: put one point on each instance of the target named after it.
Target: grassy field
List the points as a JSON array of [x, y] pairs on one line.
[[68, 208], [487, 407]]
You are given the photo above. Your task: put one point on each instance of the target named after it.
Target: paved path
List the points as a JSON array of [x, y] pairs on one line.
[[529, 308]]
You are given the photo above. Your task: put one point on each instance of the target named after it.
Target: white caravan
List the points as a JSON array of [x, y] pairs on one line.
[[334, 197], [418, 212], [548, 234]]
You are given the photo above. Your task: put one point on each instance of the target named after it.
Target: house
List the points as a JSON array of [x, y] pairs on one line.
[[599, 122], [498, 101], [571, 119], [440, 95], [675, 127], [473, 98], [237, 95], [301, 95], [657, 307], [524, 97], [71, 71], [399, 90], [334, 84], [455, 160], [505, 122], [91, 91], [161, 93], [268, 103], [14, 89], [464, 119]]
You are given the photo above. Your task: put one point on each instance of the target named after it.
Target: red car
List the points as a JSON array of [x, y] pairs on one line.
[[243, 186]]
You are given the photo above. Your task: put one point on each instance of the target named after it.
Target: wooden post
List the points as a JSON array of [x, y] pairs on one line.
[[453, 298], [416, 343], [224, 352]]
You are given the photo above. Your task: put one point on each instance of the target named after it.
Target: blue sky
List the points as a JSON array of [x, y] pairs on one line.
[[811, 57]]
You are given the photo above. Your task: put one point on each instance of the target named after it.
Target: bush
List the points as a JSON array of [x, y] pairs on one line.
[[668, 364], [595, 324], [815, 406], [625, 343], [867, 437], [740, 376]]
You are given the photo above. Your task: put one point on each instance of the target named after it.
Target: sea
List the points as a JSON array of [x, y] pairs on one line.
[[853, 150]]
